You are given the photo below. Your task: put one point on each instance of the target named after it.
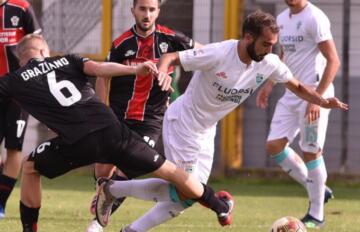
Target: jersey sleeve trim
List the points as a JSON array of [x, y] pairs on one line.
[[125, 36], [24, 5]]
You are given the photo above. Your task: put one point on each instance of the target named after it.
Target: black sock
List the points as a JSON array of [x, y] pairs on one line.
[[6, 187], [210, 200], [29, 217], [120, 200]]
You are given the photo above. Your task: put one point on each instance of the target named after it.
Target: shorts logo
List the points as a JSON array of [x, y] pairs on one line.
[[20, 128], [129, 53], [15, 21], [164, 47], [156, 157], [149, 141], [42, 147]]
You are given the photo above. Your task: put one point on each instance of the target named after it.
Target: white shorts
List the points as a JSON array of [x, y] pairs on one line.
[[190, 151], [288, 120]]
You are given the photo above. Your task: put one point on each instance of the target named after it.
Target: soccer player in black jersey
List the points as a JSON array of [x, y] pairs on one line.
[[139, 101], [17, 19], [56, 91]]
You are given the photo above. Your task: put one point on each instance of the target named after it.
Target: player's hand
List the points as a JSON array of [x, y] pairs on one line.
[[146, 68], [312, 112], [164, 81], [262, 97], [333, 102]]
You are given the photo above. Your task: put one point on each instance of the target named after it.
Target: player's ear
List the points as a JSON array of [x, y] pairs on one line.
[[132, 11], [248, 37]]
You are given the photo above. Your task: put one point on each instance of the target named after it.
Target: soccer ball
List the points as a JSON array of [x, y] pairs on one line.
[[288, 224]]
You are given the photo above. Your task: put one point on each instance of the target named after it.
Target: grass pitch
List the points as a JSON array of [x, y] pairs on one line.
[[258, 203]]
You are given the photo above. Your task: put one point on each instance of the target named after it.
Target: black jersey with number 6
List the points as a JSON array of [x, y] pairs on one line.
[[56, 92]]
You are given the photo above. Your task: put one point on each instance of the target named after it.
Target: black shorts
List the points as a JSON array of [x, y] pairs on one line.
[[116, 144], [13, 123], [150, 131]]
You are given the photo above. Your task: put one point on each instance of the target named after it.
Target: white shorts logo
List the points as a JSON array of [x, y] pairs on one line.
[[20, 127], [42, 147]]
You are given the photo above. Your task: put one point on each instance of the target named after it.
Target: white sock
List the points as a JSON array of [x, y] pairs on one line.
[[150, 189], [316, 187], [160, 213], [291, 163]]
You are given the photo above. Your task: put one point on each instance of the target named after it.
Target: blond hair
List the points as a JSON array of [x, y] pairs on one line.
[[30, 42]]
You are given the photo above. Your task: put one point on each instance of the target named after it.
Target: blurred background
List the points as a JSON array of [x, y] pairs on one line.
[[88, 27]]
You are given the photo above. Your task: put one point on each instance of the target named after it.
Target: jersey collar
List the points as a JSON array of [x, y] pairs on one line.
[[137, 34]]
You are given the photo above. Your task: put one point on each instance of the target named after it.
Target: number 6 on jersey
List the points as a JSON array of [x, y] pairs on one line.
[[56, 87]]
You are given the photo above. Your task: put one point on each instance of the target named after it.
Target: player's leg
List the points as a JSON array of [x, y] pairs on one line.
[[14, 126], [147, 161], [197, 162], [51, 159], [311, 143], [150, 132], [283, 129]]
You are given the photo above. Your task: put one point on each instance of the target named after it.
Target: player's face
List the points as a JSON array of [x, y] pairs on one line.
[[262, 45], [293, 3], [145, 13]]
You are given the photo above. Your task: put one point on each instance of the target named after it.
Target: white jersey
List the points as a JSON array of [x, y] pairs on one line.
[[299, 37], [221, 83]]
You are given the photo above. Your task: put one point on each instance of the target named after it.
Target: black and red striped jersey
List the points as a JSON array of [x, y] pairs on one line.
[[57, 92], [139, 97], [17, 19]]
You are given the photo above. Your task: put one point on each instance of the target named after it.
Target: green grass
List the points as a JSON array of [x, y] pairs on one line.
[[258, 204]]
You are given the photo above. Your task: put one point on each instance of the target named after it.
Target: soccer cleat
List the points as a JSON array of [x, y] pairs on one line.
[[104, 202], [328, 194], [94, 227], [2, 212], [225, 218], [311, 222]]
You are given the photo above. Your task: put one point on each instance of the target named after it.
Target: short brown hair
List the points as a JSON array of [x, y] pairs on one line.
[[135, 2], [256, 21]]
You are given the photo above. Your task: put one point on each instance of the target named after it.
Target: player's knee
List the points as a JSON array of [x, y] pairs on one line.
[[28, 165], [274, 147]]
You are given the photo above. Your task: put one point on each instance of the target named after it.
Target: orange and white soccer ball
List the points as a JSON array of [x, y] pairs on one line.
[[288, 224]]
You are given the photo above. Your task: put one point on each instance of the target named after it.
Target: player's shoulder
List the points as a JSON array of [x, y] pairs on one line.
[[22, 4], [283, 14], [315, 13], [271, 59], [123, 37], [164, 30]]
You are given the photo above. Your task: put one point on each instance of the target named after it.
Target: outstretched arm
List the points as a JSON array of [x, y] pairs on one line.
[[312, 96], [106, 69]]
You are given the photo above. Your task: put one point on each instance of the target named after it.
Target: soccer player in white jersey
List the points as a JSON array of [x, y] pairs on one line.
[[226, 73], [309, 51]]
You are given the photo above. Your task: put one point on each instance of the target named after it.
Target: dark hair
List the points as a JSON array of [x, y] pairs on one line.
[[135, 2], [257, 21]]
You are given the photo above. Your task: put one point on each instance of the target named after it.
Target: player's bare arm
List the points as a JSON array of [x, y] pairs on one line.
[[263, 94], [312, 96], [106, 69], [164, 63], [101, 88], [328, 50]]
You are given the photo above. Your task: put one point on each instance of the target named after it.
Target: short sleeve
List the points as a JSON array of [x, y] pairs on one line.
[[31, 24], [4, 87], [200, 59], [78, 60], [114, 55], [281, 74], [319, 27], [182, 42]]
